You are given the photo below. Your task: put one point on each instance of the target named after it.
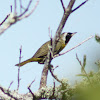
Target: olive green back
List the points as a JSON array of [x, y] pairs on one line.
[[43, 50]]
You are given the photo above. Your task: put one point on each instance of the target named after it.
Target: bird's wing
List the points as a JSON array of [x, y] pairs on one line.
[[59, 47], [42, 51]]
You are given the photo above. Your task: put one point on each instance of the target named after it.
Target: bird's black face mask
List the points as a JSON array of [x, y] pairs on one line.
[[69, 35]]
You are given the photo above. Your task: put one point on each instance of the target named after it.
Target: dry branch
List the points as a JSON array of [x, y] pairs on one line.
[[79, 6], [12, 18], [67, 12], [19, 68], [63, 5], [34, 98], [10, 85], [54, 76], [8, 93], [74, 47]]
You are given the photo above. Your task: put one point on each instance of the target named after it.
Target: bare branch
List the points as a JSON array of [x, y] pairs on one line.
[[20, 6], [58, 32], [10, 86], [74, 47], [4, 19], [13, 18], [34, 98], [11, 8], [63, 5], [53, 88], [55, 67], [79, 6], [27, 15], [44, 75], [25, 9], [50, 33], [70, 5], [31, 83], [66, 14], [19, 68], [62, 23], [8, 93], [15, 11], [54, 76]]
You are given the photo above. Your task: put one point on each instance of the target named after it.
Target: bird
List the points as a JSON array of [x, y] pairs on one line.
[[41, 54]]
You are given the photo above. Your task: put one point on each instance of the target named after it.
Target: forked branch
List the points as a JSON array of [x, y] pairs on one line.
[[67, 12], [12, 18]]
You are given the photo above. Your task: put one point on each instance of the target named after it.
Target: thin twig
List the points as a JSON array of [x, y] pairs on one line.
[[63, 5], [31, 83], [83, 69], [15, 11], [50, 45], [11, 8], [53, 88], [4, 19], [74, 47], [19, 68], [8, 93], [25, 9], [27, 15], [20, 6], [10, 86], [16, 18], [34, 98], [55, 67], [54, 76], [50, 33], [32, 93], [79, 6]]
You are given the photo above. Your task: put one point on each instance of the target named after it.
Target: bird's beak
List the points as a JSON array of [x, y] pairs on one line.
[[74, 33]]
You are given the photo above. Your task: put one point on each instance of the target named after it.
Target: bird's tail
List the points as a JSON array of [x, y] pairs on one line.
[[24, 62]]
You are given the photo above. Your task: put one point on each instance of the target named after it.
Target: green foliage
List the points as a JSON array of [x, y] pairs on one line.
[[86, 90], [98, 64], [65, 90], [89, 87], [97, 38]]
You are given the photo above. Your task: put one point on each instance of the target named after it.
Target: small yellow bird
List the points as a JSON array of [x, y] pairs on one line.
[[42, 52]]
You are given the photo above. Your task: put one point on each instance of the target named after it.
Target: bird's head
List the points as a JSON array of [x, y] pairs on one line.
[[66, 36]]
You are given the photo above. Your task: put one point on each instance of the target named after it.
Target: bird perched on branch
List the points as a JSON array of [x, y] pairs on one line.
[[42, 52]]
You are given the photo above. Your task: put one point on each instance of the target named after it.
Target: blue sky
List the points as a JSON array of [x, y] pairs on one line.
[[32, 32]]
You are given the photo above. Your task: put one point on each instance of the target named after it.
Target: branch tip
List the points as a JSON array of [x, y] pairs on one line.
[[79, 6], [74, 46], [63, 5]]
